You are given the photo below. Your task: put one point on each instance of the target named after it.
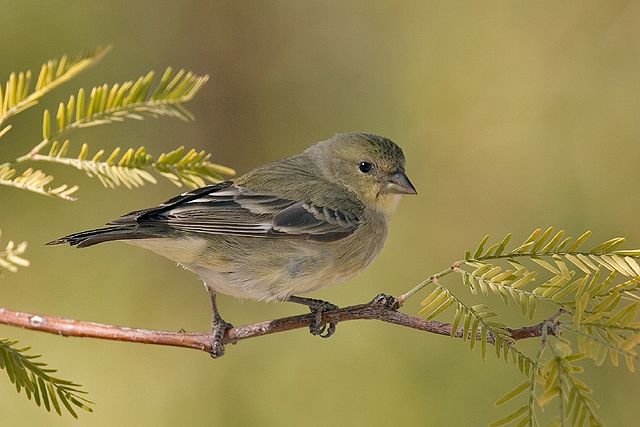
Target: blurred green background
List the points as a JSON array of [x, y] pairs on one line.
[[512, 115]]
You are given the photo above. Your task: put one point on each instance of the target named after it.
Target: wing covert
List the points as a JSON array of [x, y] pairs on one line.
[[228, 209]]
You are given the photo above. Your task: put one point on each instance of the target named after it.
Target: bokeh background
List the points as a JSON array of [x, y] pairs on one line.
[[512, 115]]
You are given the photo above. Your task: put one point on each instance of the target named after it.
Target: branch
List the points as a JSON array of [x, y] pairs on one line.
[[382, 307]]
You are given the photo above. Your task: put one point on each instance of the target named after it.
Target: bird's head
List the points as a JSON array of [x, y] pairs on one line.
[[369, 165]]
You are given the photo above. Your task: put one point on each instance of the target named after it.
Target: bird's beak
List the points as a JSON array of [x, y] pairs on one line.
[[399, 183]]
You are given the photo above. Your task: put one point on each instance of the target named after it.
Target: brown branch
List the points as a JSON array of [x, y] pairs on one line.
[[382, 308]]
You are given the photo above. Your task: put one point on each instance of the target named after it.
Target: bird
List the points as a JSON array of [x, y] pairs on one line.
[[280, 231]]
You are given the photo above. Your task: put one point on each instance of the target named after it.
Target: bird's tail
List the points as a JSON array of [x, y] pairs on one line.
[[106, 234]]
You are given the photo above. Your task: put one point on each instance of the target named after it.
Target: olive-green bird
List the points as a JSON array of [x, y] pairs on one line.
[[285, 228]]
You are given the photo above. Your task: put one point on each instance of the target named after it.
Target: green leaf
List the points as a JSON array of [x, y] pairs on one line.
[[544, 264], [585, 259], [633, 264], [437, 292], [579, 241], [524, 280], [541, 240], [483, 342], [503, 245], [608, 246], [466, 327], [480, 248], [528, 243], [473, 332], [576, 261], [511, 417], [629, 252], [46, 125], [456, 321], [11, 256], [442, 298], [548, 395], [553, 243]]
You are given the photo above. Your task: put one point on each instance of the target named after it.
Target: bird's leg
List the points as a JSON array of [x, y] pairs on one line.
[[218, 327], [317, 307]]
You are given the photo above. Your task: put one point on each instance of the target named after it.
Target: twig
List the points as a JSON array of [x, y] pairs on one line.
[[454, 267], [382, 307]]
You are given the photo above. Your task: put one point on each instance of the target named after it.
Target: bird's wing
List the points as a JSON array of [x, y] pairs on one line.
[[228, 209]]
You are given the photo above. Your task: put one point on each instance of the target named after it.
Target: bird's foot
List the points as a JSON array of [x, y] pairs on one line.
[[317, 307], [385, 301], [218, 331], [316, 327]]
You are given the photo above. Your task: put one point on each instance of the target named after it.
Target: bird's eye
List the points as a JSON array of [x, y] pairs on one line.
[[365, 167]]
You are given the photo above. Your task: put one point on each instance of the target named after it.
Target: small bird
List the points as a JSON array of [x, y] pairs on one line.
[[286, 228]]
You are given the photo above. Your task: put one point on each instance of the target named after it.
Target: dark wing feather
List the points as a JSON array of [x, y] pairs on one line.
[[227, 209], [318, 223], [132, 217]]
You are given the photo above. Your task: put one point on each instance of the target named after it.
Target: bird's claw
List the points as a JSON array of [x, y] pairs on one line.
[[316, 327], [386, 301], [217, 338]]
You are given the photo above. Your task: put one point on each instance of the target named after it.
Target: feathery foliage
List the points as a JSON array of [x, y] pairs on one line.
[[559, 383], [575, 405], [104, 104], [595, 290], [18, 95], [107, 104], [477, 325], [35, 181], [131, 168], [37, 380], [128, 100]]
